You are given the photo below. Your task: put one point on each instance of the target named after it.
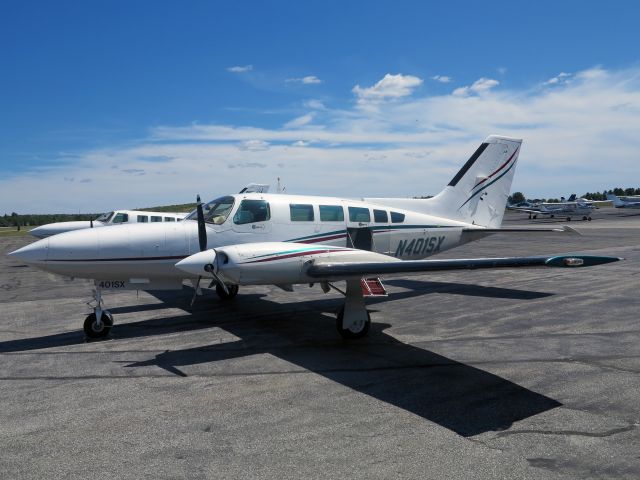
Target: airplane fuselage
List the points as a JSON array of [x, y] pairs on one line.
[[141, 256]]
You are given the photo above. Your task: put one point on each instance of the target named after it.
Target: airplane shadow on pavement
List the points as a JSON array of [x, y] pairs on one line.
[[459, 397]]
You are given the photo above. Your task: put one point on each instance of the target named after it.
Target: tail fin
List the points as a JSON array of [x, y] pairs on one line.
[[479, 191], [572, 198], [615, 199]]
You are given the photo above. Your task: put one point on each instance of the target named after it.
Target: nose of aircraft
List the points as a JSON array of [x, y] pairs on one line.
[[34, 253], [194, 264], [40, 232]]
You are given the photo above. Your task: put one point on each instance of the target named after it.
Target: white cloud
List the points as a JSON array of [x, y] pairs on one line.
[[390, 87], [562, 77], [253, 145], [300, 121], [315, 104], [480, 86], [582, 134], [308, 80], [441, 78], [240, 68]]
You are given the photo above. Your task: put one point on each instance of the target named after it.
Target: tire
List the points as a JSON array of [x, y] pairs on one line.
[[233, 291], [349, 334], [568, 219], [584, 219], [589, 218], [552, 216], [90, 325]]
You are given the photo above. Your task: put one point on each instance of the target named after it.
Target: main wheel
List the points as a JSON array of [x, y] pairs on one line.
[[358, 330], [233, 291], [568, 219], [589, 218], [552, 216], [584, 218], [93, 330]]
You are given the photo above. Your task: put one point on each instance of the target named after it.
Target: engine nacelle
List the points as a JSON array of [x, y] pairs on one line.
[[269, 263]]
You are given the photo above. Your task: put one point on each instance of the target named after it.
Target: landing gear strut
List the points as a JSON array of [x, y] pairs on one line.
[[353, 320], [98, 324]]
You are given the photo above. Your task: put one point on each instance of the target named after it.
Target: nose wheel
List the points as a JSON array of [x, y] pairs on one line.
[[98, 329], [98, 324]]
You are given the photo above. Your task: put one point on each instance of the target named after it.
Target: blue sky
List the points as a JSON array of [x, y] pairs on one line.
[[124, 104]]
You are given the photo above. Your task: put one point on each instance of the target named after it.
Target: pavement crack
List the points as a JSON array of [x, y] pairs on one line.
[[577, 433]]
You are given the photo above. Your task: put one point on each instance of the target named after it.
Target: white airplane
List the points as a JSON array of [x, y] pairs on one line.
[[573, 207], [273, 239], [117, 217], [624, 202]]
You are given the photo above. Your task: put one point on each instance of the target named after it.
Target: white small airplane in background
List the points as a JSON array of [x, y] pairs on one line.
[[573, 207], [274, 239], [117, 217], [623, 202]]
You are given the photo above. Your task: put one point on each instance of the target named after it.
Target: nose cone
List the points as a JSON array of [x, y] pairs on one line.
[[35, 253], [194, 264], [40, 232]]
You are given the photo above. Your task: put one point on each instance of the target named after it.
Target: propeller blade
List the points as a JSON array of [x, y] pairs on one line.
[[210, 269], [195, 292], [202, 229]]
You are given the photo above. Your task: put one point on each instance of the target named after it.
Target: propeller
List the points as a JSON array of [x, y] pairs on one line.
[[209, 267]]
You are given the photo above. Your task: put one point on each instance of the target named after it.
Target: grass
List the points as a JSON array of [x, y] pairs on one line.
[[13, 231]]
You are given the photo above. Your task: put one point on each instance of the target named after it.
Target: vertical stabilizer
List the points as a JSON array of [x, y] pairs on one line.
[[479, 191]]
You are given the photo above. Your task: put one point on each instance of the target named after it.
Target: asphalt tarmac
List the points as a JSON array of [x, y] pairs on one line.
[[481, 374]]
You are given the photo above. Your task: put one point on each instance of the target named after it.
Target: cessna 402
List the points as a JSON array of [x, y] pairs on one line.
[[272, 239]]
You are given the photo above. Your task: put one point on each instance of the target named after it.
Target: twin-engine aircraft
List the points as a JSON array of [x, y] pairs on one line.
[[271, 239], [117, 217]]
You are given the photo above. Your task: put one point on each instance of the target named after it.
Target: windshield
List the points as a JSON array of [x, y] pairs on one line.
[[105, 217], [216, 211]]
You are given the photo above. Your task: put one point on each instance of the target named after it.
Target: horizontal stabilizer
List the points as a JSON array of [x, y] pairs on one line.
[[562, 229], [419, 266]]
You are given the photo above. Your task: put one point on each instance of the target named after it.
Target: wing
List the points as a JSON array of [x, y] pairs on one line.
[[328, 269]]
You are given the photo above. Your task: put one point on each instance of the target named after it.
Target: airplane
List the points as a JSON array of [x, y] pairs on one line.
[[116, 217], [567, 208], [282, 240], [119, 217], [623, 202]]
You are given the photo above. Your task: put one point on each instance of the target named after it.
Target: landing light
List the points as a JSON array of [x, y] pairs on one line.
[[573, 262]]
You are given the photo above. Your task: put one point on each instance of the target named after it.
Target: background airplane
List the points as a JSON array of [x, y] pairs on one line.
[[569, 208], [274, 239], [624, 202], [117, 217]]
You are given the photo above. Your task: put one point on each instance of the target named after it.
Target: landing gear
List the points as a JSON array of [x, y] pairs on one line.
[[568, 219], [535, 216], [552, 216], [589, 218], [356, 329], [95, 329], [353, 320], [98, 324], [232, 292], [584, 218]]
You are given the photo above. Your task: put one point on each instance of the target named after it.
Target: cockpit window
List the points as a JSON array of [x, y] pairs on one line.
[[121, 218], [251, 211], [105, 217], [216, 211]]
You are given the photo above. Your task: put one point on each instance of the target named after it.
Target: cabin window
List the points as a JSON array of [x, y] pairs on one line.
[[331, 213], [380, 216], [301, 213], [155, 218], [359, 214], [169, 219], [251, 211], [121, 218], [143, 219], [397, 217]]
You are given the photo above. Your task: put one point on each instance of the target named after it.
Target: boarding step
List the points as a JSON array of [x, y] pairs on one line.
[[372, 287]]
